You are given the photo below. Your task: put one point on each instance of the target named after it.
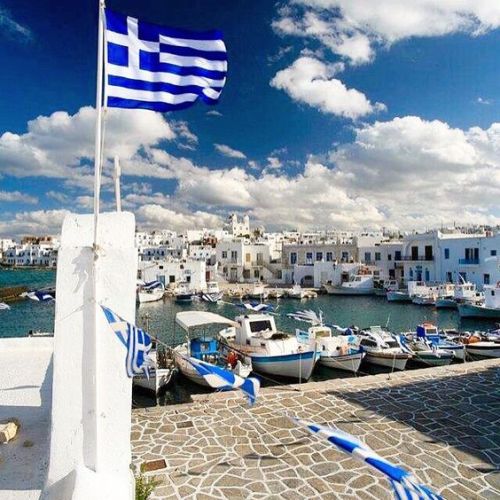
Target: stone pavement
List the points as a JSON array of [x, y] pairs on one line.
[[441, 423]]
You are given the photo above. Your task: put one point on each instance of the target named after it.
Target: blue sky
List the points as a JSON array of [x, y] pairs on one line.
[[335, 114]]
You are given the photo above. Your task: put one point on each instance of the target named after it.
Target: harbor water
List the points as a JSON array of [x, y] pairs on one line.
[[26, 315]]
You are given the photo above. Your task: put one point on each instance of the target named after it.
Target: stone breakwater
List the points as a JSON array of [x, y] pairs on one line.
[[441, 423]]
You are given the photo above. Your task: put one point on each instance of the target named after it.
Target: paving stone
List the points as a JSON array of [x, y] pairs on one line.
[[440, 423]]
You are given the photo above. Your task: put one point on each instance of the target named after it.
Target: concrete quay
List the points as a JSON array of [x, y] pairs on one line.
[[440, 423]]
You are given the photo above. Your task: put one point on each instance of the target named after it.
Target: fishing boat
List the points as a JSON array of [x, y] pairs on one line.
[[41, 295], [296, 292], [340, 351], [207, 348], [359, 284], [183, 293], [276, 293], [424, 300], [150, 292], [398, 296], [424, 352], [212, 294], [447, 302], [481, 345], [382, 348], [273, 352], [489, 309], [384, 286], [159, 376], [258, 292], [429, 332]]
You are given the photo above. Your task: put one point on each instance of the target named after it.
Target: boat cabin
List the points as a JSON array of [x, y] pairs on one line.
[[212, 287], [426, 329], [204, 349], [492, 296]]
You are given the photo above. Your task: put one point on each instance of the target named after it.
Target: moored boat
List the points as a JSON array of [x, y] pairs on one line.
[[341, 352], [212, 294], [423, 352], [183, 293], [429, 333], [160, 376], [272, 352], [150, 292], [398, 296], [489, 309], [382, 348], [296, 292], [207, 348], [359, 284]]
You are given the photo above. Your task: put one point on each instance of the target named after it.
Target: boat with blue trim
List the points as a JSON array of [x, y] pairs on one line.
[[273, 352], [206, 347]]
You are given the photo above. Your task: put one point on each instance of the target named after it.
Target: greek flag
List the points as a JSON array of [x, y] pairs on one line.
[[219, 378], [162, 69], [405, 485], [137, 342]]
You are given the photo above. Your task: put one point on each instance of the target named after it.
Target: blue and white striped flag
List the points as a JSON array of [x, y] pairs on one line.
[[137, 342], [159, 68], [405, 485], [219, 378]]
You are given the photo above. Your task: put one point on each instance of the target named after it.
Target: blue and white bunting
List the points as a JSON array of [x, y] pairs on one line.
[[137, 342], [219, 378], [405, 485], [163, 69]]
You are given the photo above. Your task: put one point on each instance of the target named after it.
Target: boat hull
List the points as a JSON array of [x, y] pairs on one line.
[[446, 304], [350, 291], [298, 366], [158, 381], [473, 311], [398, 297], [388, 360], [431, 359], [349, 362], [184, 298], [154, 296], [491, 350]]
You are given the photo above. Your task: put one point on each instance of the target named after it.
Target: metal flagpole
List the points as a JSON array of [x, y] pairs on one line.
[[99, 121]]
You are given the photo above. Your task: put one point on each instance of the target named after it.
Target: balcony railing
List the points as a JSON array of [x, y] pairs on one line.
[[468, 262], [416, 258]]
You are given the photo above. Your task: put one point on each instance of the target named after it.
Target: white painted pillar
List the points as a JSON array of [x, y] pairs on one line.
[[90, 451]]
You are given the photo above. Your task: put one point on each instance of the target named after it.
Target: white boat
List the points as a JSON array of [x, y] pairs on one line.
[[296, 292], [4, 306], [341, 351], [150, 292], [212, 294], [183, 293], [384, 286], [276, 293], [446, 296], [359, 284], [160, 376], [207, 348], [258, 292], [429, 333], [272, 352], [424, 300], [423, 352], [489, 309], [466, 292], [398, 296], [446, 303], [382, 348], [483, 348]]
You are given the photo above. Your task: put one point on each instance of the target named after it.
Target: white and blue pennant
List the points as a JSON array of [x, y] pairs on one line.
[[404, 484], [219, 378], [159, 68], [137, 342]]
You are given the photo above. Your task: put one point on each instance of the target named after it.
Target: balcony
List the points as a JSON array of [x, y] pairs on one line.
[[428, 258], [468, 262]]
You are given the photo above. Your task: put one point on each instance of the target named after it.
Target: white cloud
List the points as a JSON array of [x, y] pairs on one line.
[[38, 222], [213, 112], [155, 216], [486, 102], [12, 28], [274, 163], [58, 196], [62, 145], [17, 196], [225, 150], [311, 81], [354, 29]]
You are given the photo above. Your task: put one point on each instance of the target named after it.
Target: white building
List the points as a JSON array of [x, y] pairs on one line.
[[238, 227], [240, 260], [172, 272], [32, 251]]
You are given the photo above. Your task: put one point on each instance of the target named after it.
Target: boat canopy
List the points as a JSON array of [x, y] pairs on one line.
[[190, 319]]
